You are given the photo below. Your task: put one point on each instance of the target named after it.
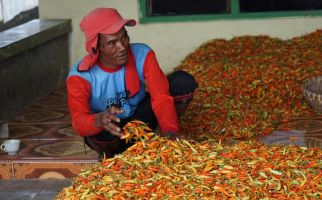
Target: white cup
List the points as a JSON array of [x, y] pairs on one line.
[[10, 146]]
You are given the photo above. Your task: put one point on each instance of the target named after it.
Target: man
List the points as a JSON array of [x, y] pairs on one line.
[[118, 81]]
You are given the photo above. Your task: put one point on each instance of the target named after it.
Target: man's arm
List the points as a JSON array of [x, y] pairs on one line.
[[161, 100], [85, 123], [78, 94]]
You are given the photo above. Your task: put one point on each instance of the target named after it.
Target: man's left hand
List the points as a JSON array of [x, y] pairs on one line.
[[172, 135]]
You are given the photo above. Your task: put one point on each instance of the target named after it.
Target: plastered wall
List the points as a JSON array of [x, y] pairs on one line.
[[172, 42]]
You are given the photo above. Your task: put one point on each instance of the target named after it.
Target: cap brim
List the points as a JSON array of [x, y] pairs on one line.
[[117, 26]]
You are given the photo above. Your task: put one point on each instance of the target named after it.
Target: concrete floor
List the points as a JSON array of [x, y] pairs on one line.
[[31, 189]]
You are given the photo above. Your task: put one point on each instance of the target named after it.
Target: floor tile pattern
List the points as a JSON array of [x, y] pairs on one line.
[[49, 147], [299, 131]]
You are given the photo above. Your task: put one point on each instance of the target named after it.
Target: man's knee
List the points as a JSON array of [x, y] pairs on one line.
[[182, 86], [109, 147]]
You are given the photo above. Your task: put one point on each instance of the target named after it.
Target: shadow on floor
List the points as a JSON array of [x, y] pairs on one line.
[[31, 189]]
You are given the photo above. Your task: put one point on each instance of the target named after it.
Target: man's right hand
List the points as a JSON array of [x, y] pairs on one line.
[[105, 120]]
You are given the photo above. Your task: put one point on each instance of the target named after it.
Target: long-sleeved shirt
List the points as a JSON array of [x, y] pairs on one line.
[[90, 93]]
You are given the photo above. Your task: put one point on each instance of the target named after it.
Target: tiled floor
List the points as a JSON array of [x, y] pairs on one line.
[[49, 147], [303, 131]]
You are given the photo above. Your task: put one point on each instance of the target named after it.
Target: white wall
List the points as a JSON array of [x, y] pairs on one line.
[[172, 42], [10, 8]]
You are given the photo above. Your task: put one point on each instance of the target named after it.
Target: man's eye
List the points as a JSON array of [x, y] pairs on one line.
[[110, 43]]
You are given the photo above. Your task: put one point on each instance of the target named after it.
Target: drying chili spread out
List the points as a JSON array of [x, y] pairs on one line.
[[246, 87], [157, 168], [249, 84]]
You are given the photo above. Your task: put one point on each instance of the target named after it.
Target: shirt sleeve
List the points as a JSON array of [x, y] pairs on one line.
[[78, 94], [161, 100]]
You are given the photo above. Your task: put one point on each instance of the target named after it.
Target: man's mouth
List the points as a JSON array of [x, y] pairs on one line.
[[122, 57]]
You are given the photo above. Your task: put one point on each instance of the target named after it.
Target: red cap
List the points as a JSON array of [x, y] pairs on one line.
[[100, 20]]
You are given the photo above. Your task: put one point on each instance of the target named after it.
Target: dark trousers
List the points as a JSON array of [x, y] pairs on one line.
[[104, 142], [181, 84]]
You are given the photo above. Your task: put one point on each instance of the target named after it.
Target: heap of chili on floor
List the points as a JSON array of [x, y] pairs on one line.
[[247, 86]]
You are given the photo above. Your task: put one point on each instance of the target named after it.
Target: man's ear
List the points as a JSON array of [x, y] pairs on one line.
[[94, 50]]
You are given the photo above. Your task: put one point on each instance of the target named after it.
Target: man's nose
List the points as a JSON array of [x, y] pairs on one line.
[[121, 45]]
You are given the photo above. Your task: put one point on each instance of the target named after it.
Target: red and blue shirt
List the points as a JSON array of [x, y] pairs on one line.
[[93, 91]]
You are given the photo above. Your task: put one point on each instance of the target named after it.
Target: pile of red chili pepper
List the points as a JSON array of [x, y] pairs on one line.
[[249, 84], [246, 87], [158, 168]]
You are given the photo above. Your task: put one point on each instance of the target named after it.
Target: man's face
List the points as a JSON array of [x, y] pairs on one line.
[[114, 48]]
